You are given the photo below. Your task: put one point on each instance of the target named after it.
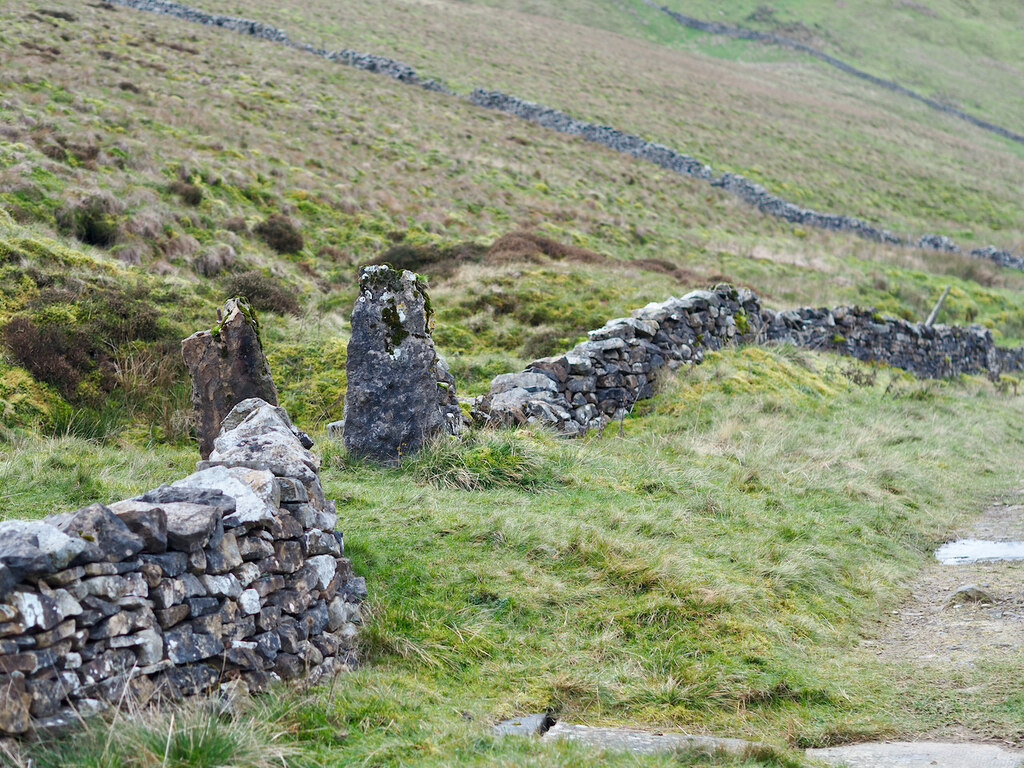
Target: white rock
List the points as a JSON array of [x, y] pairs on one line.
[[258, 435], [247, 573], [221, 586], [249, 602], [255, 491], [325, 566]]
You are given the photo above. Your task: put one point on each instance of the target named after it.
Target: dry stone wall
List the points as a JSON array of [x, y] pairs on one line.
[[743, 33], [600, 379], [667, 158], [233, 576]]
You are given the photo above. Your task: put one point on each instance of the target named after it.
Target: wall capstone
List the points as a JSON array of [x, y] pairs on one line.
[[232, 576]]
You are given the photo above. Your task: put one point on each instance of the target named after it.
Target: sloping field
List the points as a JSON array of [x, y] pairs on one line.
[[812, 135], [715, 566]]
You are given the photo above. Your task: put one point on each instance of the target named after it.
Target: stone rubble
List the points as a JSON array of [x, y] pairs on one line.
[[600, 379], [232, 576]]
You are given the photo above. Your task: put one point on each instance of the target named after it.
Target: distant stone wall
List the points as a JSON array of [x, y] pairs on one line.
[[667, 158], [232, 576], [600, 379], [740, 186], [742, 33], [366, 61]]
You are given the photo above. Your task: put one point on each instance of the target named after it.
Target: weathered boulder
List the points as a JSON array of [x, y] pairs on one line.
[[400, 392], [227, 366]]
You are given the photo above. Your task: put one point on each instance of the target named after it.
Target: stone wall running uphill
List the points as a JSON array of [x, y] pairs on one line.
[[743, 33], [667, 158], [232, 576], [600, 379]]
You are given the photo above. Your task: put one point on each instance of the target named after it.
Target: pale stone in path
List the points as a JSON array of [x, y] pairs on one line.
[[923, 754]]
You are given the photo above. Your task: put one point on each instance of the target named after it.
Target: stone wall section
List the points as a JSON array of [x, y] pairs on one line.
[[600, 379], [233, 577]]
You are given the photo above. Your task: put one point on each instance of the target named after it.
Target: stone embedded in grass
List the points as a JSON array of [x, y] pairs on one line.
[[227, 366], [400, 392]]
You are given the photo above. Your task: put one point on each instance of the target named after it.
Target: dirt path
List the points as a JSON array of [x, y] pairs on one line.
[[937, 628], [929, 628]]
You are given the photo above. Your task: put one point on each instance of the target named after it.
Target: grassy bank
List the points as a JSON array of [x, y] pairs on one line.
[[711, 569]]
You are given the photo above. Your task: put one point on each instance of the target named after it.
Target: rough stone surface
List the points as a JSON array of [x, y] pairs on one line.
[[148, 521], [970, 593], [527, 725], [255, 492], [227, 365], [600, 380], [648, 742], [400, 392], [262, 437], [101, 527], [212, 579], [918, 755], [30, 548]]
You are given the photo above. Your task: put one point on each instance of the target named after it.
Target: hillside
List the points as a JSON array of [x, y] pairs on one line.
[[712, 568]]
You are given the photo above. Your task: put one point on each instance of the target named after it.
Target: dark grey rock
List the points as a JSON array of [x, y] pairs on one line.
[[33, 548], [102, 528], [224, 557], [172, 564], [184, 646], [399, 392], [145, 520], [193, 516], [177, 682], [227, 366]]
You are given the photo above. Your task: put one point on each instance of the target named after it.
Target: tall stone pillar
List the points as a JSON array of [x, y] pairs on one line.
[[227, 366], [400, 392]]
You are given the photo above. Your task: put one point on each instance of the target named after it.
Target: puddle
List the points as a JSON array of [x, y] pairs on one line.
[[965, 551]]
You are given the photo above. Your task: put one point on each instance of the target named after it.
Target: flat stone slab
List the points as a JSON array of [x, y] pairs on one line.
[[527, 725], [921, 754], [648, 742]]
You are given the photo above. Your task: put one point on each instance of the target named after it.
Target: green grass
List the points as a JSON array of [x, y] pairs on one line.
[[808, 132], [712, 570]]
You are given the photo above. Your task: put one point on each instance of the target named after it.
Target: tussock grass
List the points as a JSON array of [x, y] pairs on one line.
[[502, 459], [192, 735], [711, 569]]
